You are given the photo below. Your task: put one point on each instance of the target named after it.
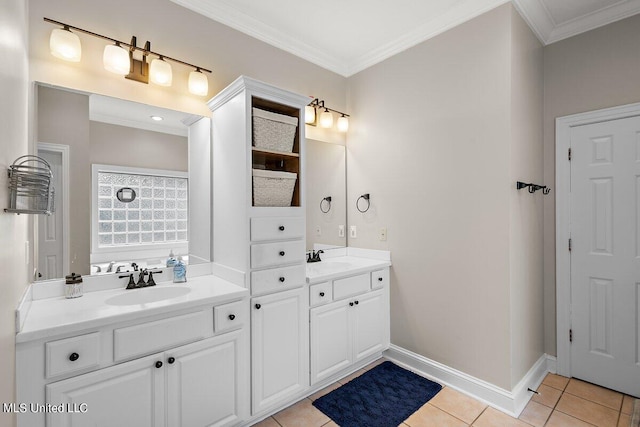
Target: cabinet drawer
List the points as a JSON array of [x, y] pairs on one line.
[[72, 354], [351, 285], [379, 278], [230, 316], [159, 335], [321, 293], [277, 279], [276, 228], [273, 254]]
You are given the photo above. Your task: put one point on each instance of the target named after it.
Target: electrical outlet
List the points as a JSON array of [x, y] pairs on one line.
[[318, 230], [341, 231], [382, 234], [353, 232]]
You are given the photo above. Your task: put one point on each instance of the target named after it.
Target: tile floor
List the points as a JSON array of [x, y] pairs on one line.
[[561, 402]]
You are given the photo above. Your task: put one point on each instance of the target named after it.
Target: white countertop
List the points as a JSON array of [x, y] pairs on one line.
[[332, 267], [54, 316]]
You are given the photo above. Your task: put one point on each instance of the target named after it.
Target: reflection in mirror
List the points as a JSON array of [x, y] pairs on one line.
[[130, 188], [326, 195]]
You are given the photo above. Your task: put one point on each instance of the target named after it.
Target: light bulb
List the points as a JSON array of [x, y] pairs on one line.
[[198, 83], [326, 119], [343, 124], [116, 59], [309, 114], [65, 45], [160, 72]]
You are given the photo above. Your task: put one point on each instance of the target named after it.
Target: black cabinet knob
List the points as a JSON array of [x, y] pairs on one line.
[[281, 253], [170, 360], [357, 302], [282, 279], [158, 364], [232, 316], [379, 279], [321, 294], [74, 356], [258, 306], [351, 304], [281, 228]]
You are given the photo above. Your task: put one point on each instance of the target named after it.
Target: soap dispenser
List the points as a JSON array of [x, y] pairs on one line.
[[180, 271]]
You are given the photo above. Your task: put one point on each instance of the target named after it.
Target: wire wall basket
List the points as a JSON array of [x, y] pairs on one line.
[[30, 186]]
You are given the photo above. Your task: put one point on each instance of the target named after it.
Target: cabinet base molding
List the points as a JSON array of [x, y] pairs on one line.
[[511, 402], [309, 391]]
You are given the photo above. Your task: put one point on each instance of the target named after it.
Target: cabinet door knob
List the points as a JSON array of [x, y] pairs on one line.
[[351, 304], [282, 279], [357, 302], [281, 253], [170, 360], [74, 356], [258, 306], [281, 228], [379, 279], [232, 316], [321, 294], [158, 364]]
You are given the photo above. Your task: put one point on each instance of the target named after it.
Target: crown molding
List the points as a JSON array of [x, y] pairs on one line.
[[537, 17]]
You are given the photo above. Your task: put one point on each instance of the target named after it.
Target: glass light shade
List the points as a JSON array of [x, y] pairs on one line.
[[65, 45], [116, 59], [343, 124], [160, 72], [309, 114], [198, 83], [326, 119]]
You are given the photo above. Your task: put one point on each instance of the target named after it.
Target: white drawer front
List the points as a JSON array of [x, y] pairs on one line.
[[273, 254], [277, 279], [230, 316], [321, 293], [379, 278], [159, 335], [351, 286], [276, 228], [72, 354]]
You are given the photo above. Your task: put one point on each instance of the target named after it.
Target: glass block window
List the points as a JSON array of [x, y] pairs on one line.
[[157, 215]]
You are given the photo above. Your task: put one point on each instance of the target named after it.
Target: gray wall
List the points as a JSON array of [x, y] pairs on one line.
[[594, 70], [439, 134], [14, 274]]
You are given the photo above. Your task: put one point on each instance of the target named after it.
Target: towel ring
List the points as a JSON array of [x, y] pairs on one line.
[[366, 198], [328, 204]]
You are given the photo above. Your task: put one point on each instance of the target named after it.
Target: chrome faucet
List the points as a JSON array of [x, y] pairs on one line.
[[314, 256]]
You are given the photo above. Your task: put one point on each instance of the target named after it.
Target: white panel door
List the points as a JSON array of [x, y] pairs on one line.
[[204, 382], [279, 347], [368, 325], [605, 256], [126, 395], [50, 228], [330, 337]]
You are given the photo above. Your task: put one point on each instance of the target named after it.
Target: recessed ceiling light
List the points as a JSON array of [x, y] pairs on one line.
[[157, 118]]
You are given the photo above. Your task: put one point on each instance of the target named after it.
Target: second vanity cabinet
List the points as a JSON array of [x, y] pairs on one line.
[[352, 327]]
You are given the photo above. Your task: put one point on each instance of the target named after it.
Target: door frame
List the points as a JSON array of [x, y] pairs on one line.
[[64, 152], [563, 220]]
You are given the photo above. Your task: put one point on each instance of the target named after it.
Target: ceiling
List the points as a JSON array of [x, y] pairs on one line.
[[348, 36]]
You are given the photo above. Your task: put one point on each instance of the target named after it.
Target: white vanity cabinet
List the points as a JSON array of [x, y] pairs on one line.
[[263, 247], [352, 327], [142, 373]]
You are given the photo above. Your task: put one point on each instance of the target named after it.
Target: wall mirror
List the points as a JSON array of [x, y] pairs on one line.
[[326, 195], [132, 184]]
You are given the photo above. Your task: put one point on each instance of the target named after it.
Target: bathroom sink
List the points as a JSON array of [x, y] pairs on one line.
[[147, 295]]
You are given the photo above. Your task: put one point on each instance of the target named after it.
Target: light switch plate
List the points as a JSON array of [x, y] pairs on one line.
[[341, 231], [353, 232], [382, 234]]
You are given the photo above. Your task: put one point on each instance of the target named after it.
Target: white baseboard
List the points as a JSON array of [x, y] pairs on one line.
[[510, 402]]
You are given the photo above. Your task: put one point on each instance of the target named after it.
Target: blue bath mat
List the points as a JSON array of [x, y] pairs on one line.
[[384, 396]]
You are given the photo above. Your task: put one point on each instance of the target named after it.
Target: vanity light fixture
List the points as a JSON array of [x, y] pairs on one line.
[[325, 119], [118, 58]]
